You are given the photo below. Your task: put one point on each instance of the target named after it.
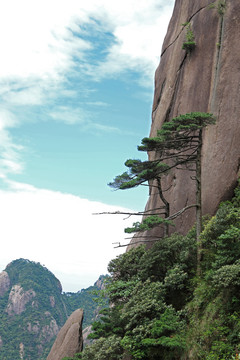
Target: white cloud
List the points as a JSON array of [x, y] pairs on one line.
[[59, 231], [138, 28], [70, 116], [36, 38], [31, 95], [104, 128], [97, 103], [44, 44], [40, 41], [10, 161]]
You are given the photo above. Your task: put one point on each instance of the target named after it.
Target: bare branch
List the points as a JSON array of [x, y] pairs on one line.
[[180, 212], [129, 213], [136, 242]]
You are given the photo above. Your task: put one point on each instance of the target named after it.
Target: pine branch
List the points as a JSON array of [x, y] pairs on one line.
[[171, 217]]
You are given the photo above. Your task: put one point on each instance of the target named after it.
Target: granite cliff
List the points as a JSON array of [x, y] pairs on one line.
[[206, 80]]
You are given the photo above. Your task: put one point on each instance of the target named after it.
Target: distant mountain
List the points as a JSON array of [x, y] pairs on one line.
[[85, 299], [33, 309]]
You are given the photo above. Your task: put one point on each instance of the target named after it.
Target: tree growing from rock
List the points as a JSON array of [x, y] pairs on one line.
[[178, 144], [140, 173]]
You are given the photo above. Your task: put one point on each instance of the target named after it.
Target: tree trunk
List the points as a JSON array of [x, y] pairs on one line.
[[199, 203], [166, 205]]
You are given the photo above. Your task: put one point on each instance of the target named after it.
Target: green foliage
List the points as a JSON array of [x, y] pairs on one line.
[[179, 133], [75, 357], [104, 349], [178, 143], [167, 335], [36, 326], [189, 44], [90, 300], [109, 324], [139, 172], [31, 275], [220, 237], [228, 276], [144, 286], [126, 266], [162, 310], [148, 223], [219, 5]]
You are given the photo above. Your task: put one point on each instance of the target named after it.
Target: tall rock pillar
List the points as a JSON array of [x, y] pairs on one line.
[[205, 80], [69, 340]]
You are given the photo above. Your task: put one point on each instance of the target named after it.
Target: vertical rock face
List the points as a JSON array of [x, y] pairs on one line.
[[4, 283], [69, 340], [205, 80], [18, 299]]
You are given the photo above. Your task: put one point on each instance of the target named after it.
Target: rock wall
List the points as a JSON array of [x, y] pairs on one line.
[[205, 80], [18, 299]]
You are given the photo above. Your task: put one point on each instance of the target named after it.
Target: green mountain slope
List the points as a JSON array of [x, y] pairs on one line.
[[33, 309]]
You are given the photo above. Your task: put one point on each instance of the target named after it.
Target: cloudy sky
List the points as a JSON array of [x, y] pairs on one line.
[[76, 88]]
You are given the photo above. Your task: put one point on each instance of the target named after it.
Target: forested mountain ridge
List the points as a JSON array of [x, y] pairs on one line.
[[33, 309]]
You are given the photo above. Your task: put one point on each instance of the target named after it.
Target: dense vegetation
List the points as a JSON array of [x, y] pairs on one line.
[[163, 310], [36, 327]]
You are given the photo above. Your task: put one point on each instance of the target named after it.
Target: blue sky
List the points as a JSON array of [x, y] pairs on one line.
[[76, 88]]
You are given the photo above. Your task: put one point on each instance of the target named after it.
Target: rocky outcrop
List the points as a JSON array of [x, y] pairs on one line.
[[100, 283], [69, 340], [18, 299], [4, 283], [205, 80]]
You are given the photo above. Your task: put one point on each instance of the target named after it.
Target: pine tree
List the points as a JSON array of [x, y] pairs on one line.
[[178, 144]]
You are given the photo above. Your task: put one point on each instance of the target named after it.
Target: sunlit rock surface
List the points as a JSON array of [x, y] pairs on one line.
[[69, 340], [206, 80]]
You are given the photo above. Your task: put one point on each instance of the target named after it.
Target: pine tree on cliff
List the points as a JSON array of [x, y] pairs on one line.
[[140, 173], [178, 144]]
